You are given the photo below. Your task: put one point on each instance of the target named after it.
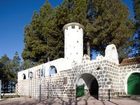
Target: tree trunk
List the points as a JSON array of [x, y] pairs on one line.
[[88, 48]]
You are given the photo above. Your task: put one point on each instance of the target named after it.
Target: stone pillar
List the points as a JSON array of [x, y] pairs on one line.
[[103, 94], [88, 48]]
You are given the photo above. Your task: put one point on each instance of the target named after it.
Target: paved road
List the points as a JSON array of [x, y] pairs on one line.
[[90, 101]]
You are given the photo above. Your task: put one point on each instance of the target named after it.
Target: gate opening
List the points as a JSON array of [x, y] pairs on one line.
[[89, 83]]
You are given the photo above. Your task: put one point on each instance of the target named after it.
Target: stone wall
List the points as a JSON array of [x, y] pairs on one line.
[[63, 84], [125, 72]]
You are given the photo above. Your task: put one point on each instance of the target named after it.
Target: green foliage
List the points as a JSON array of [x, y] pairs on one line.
[[16, 63], [36, 36], [8, 72], [35, 44], [111, 25], [105, 22], [80, 90], [27, 64]]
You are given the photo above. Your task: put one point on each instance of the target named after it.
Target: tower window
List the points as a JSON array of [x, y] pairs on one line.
[[113, 48], [98, 68], [73, 26]]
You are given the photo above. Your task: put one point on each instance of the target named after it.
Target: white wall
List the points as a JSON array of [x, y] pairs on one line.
[[60, 64], [111, 54]]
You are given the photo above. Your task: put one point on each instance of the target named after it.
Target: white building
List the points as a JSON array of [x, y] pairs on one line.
[[60, 77]]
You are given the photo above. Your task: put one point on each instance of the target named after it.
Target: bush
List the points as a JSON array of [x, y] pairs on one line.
[[80, 91]]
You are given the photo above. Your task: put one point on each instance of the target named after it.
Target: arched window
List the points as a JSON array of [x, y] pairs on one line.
[[52, 70], [24, 76], [30, 75], [40, 73]]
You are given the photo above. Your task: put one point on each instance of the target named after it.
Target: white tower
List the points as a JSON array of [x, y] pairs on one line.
[[73, 33]]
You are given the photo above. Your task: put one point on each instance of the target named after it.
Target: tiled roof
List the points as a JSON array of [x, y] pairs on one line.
[[130, 61]]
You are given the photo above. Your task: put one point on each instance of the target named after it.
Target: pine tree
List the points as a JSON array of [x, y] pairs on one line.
[[137, 10], [111, 24], [35, 44], [16, 62], [27, 64], [36, 35], [6, 74]]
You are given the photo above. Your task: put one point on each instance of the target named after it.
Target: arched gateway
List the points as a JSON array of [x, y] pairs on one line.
[[133, 84], [90, 83]]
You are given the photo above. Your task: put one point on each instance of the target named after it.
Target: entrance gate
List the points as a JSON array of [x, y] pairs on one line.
[[133, 84], [91, 83]]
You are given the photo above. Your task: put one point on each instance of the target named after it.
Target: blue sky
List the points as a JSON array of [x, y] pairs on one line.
[[14, 16], [129, 4]]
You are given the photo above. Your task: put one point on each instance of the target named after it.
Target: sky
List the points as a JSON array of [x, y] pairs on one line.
[[129, 4], [14, 16]]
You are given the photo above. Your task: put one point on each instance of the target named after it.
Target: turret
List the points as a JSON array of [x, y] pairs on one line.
[[73, 33]]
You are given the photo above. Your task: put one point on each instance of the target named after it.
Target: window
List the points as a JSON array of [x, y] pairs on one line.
[[30, 75], [24, 76], [113, 48], [40, 73], [52, 70], [98, 68], [73, 27]]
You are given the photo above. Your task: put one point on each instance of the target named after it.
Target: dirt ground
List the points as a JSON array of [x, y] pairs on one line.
[[18, 101], [90, 101]]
